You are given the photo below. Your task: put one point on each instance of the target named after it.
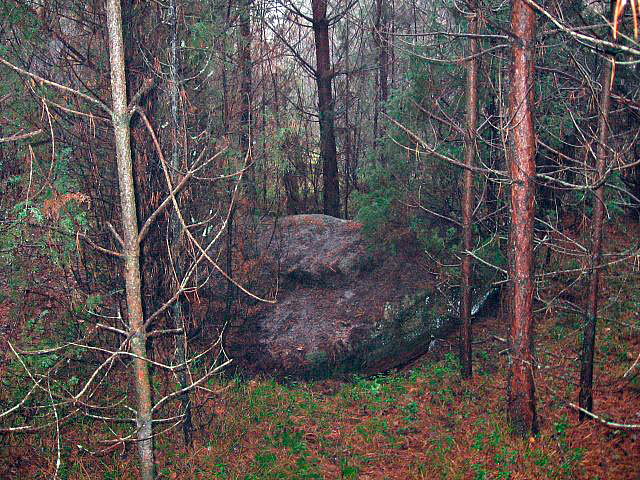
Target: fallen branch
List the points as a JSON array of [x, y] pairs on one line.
[[606, 423]]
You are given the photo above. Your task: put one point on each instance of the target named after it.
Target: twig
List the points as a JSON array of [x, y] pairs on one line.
[[115, 234], [146, 86], [23, 136], [110, 328], [632, 367], [172, 331], [437, 154], [55, 413], [98, 247]]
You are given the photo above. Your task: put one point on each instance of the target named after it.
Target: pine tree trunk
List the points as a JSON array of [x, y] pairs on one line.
[[521, 391], [467, 197], [324, 77]]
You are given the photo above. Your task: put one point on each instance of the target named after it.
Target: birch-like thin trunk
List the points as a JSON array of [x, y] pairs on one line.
[[467, 196], [122, 133], [520, 387]]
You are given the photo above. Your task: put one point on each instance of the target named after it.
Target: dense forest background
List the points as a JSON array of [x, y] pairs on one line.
[[142, 143]]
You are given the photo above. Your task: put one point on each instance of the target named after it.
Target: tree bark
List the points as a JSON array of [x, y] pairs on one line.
[[467, 196], [122, 133], [589, 340], [520, 389], [326, 110]]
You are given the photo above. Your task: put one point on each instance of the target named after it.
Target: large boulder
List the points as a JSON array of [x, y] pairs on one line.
[[340, 307]]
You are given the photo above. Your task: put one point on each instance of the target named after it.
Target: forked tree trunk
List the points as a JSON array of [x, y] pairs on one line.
[[589, 340], [467, 196], [131, 248], [520, 388], [324, 77]]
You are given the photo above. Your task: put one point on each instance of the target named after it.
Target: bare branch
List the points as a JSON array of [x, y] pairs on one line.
[[64, 88], [23, 136]]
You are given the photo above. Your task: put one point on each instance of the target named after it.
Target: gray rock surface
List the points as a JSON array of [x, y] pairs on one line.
[[340, 308], [313, 249]]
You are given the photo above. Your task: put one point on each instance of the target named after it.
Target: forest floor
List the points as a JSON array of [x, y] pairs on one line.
[[421, 422]]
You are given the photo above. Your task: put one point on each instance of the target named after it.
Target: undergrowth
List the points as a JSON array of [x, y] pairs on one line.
[[422, 422], [419, 423]]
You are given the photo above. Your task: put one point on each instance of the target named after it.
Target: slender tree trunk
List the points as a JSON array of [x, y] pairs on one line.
[[246, 100], [491, 201], [246, 93], [347, 126], [382, 42], [2, 156], [589, 339], [121, 119], [467, 196], [263, 129], [384, 50], [231, 292], [324, 77], [175, 229], [521, 390], [225, 126], [392, 50]]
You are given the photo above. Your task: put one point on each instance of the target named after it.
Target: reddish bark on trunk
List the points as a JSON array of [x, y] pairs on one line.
[[520, 389]]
